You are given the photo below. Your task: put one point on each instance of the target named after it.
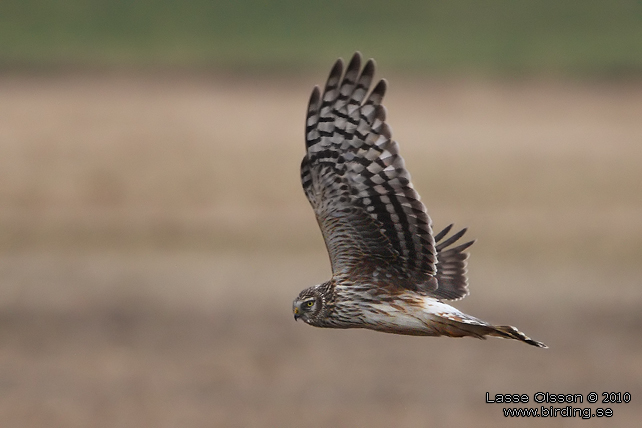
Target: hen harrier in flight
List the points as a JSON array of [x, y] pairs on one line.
[[389, 273]]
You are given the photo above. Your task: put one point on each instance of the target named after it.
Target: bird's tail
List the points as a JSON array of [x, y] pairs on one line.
[[448, 325], [448, 321], [510, 332]]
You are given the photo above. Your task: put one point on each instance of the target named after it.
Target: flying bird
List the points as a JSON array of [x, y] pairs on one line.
[[389, 272]]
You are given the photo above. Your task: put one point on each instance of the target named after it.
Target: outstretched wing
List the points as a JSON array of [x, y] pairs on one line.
[[371, 218], [451, 266]]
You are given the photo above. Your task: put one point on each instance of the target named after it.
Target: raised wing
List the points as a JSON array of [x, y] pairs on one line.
[[371, 218], [451, 266]]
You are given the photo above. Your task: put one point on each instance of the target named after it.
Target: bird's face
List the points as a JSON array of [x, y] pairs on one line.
[[306, 306]]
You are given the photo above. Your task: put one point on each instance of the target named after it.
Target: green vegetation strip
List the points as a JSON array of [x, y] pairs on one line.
[[479, 37]]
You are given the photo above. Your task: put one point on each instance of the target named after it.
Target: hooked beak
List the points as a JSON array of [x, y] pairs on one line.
[[296, 314]]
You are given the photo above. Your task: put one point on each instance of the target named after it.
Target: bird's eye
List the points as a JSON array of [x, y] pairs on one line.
[[310, 303]]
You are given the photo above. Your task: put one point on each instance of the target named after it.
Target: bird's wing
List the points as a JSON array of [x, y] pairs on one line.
[[371, 218], [452, 283]]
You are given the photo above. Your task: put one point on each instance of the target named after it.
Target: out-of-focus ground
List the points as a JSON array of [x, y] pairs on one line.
[[153, 234]]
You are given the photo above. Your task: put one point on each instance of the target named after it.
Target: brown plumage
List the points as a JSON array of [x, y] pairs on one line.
[[389, 273]]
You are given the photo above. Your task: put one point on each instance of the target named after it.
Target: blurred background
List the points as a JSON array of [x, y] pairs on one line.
[[153, 231]]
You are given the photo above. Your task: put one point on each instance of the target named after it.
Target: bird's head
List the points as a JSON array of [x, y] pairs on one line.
[[307, 305]]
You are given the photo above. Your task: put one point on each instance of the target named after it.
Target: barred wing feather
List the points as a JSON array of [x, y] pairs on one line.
[[451, 266], [371, 218]]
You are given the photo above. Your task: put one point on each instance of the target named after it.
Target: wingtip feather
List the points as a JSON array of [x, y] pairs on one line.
[[315, 97], [377, 94]]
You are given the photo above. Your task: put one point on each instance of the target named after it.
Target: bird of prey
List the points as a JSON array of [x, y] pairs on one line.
[[389, 273]]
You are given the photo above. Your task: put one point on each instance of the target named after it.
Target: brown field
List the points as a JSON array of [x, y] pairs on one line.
[[153, 234]]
